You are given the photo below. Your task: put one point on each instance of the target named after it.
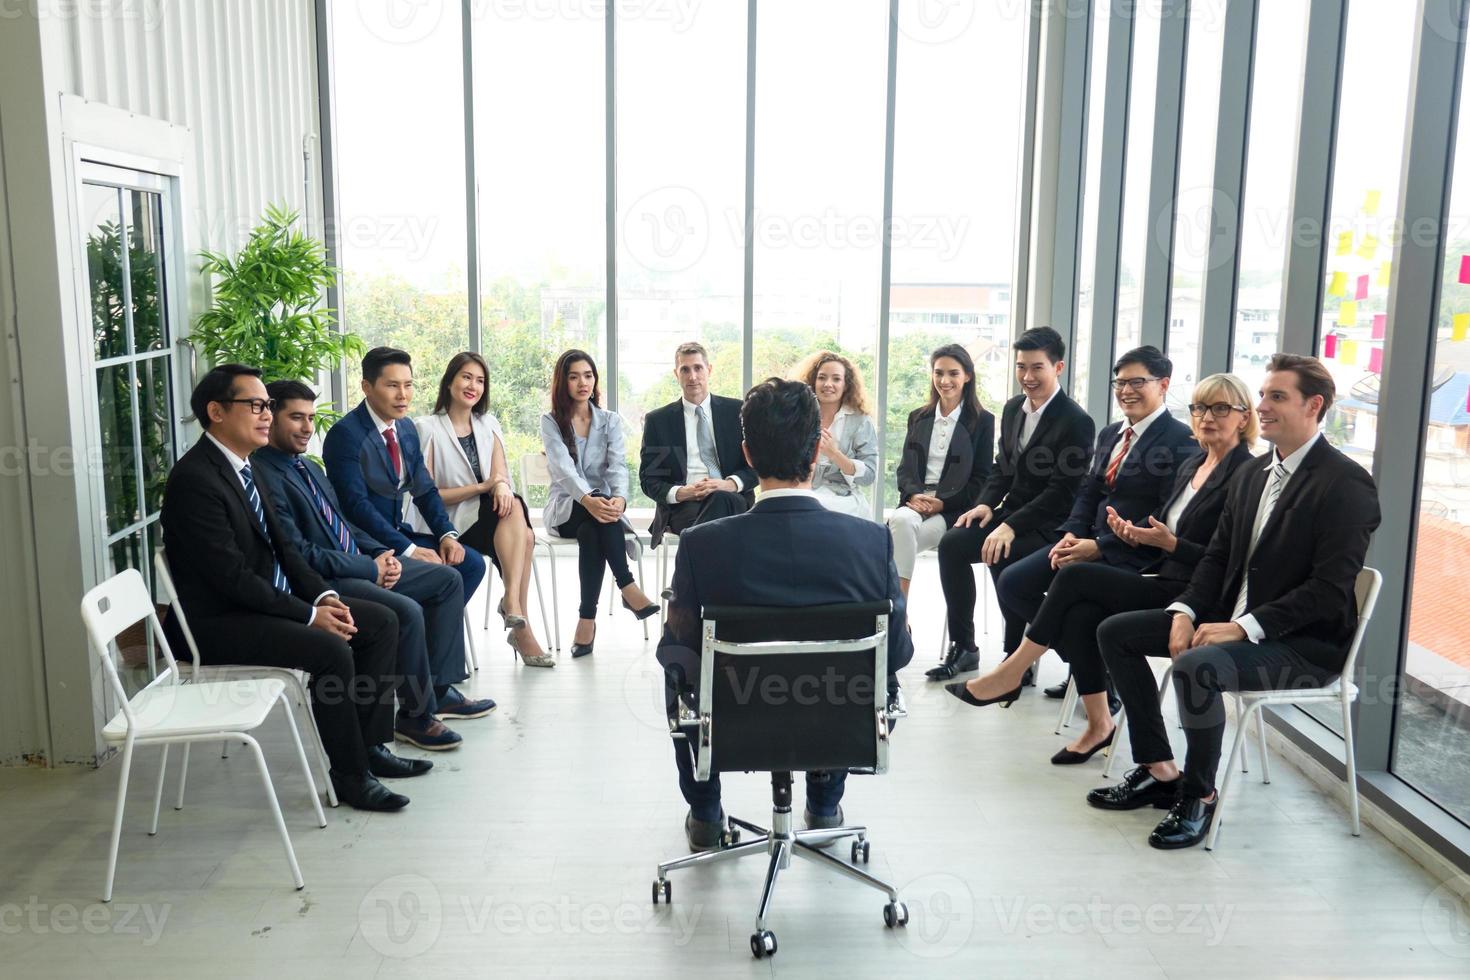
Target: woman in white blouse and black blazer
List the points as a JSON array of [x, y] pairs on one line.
[[464, 450], [848, 461], [588, 498]]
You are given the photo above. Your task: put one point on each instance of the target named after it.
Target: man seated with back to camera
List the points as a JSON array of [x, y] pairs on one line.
[[788, 550]]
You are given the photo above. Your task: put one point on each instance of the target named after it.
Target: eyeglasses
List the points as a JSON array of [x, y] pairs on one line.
[[1123, 384], [1219, 410], [257, 405]]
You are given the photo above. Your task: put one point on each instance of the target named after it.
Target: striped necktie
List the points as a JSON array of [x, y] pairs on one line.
[[278, 575], [338, 527], [1117, 463]]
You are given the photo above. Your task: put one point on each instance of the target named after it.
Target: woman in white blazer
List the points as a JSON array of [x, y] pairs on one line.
[[848, 461], [588, 497], [464, 450]]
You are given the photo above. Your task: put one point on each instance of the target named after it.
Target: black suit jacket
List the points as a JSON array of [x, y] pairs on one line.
[[1145, 481], [785, 551], [305, 525], [1033, 489], [1201, 514], [220, 559], [662, 461], [966, 467], [1306, 563]]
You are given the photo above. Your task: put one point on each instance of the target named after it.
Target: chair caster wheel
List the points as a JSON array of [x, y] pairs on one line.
[[895, 914], [665, 886], [763, 944], [860, 851]]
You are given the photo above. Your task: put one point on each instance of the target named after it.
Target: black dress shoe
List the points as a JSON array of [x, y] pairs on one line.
[[1057, 691], [1028, 679], [1138, 789], [703, 835], [386, 765], [366, 793], [963, 693], [955, 662], [1187, 824], [1066, 757]]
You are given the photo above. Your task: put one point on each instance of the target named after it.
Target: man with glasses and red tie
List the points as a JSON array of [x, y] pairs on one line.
[[252, 599]]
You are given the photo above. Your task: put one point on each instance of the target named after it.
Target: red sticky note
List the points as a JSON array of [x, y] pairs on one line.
[[1465, 269], [1375, 360], [1363, 287], [1380, 326], [1329, 346]]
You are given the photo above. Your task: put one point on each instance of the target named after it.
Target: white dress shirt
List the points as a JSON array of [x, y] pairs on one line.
[[1171, 519], [780, 492], [1253, 630], [239, 466], [1031, 417], [939, 440], [694, 468]]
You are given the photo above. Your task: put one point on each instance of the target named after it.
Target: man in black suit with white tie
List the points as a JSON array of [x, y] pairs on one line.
[[690, 465], [252, 599], [1272, 605]]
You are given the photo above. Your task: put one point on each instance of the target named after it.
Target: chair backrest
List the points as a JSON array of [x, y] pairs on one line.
[[534, 472], [113, 606], [787, 689], [165, 580], [1366, 588]]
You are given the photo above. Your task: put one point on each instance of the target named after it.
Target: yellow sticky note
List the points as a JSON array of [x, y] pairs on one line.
[[1339, 284], [1369, 248], [1347, 314], [1385, 274], [1461, 328], [1370, 206], [1347, 351], [1345, 243]]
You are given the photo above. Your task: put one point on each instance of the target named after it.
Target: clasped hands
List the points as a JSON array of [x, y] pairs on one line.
[[1185, 636], [450, 552], [333, 616], [604, 510], [695, 491]]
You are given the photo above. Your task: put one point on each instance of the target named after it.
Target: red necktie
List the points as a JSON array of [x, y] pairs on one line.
[[391, 437], [1117, 463]]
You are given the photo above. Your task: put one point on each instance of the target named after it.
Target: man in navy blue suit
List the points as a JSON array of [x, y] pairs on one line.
[[373, 459], [428, 599], [1132, 471], [788, 550]]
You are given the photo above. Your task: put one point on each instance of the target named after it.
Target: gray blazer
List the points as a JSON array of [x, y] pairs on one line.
[[858, 440], [604, 466]]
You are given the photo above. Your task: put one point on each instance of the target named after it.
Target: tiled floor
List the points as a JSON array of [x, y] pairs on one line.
[[530, 852]]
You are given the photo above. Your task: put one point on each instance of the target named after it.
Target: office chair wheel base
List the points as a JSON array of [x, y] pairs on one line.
[[667, 887], [860, 850], [895, 914], [763, 944]]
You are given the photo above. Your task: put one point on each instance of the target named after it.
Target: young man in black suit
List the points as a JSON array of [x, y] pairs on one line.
[[788, 550], [1044, 438], [1271, 605], [690, 465], [252, 599]]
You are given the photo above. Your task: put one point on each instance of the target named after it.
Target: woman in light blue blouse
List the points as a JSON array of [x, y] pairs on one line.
[[589, 490], [848, 461]]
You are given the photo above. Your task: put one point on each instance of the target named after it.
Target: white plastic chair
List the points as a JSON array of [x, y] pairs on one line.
[[169, 711], [534, 473], [199, 670]]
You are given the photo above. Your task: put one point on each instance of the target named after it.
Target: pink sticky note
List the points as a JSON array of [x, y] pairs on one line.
[[1375, 360], [1380, 326], [1363, 287], [1465, 270], [1329, 346]]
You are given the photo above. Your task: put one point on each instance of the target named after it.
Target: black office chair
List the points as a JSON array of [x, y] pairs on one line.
[[785, 690]]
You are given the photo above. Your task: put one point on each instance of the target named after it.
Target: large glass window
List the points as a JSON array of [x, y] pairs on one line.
[[681, 203], [400, 152], [1080, 356], [954, 205], [1265, 214], [1138, 174]]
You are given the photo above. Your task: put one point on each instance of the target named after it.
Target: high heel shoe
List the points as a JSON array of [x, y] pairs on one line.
[[649, 610], [539, 660], [585, 649], [511, 622], [1066, 757], [960, 691]]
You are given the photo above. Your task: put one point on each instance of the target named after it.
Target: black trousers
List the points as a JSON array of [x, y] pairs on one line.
[[1080, 597], [598, 544], [959, 549], [721, 503], [352, 682], [1200, 676], [481, 534]]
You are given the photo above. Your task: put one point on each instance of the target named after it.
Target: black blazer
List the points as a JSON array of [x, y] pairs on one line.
[[764, 558], [1200, 515], [1306, 563], [1034, 489], [966, 467], [662, 463], [220, 559], [1145, 481]]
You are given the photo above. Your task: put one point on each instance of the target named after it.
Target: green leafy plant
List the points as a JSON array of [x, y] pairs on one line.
[[266, 308]]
